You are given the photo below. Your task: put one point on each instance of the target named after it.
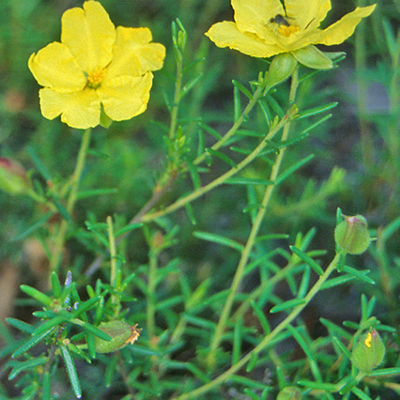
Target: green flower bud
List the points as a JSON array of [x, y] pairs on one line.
[[13, 177], [313, 58], [281, 68], [368, 352], [121, 333], [352, 235], [289, 393]]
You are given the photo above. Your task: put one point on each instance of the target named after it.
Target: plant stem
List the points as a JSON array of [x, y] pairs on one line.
[[150, 301], [76, 177], [219, 181], [267, 339], [219, 331], [253, 101]]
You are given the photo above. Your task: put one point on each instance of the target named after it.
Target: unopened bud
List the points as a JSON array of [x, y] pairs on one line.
[[352, 235], [368, 352], [121, 334], [13, 177], [281, 68], [289, 393]]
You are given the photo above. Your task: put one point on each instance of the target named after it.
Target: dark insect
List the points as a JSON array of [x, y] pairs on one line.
[[280, 20]]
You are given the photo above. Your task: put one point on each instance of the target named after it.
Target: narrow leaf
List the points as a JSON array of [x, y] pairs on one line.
[[21, 366], [222, 156], [308, 260], [212, 237], [34, 227], [287, 304], [293, 168], [315, 111], [30, 343], [21, 325], [36, 294], [71, 370], [248, 181]]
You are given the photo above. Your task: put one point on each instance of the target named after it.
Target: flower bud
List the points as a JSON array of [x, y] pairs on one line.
[[313, 58], [121, 334], [352, 235], [281, 68], [289, 393], [13, 177], [368, 352]]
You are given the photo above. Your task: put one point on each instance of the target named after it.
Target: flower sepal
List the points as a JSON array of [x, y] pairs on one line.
[[281, 68], [13, 177], [352, 236], [368, 352], [105, 120], [312, 58]]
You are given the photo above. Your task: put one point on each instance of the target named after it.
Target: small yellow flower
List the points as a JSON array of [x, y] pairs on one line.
[[96, 68], [264, 28]]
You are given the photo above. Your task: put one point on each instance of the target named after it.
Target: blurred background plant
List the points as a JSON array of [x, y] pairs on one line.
[[172, 274]]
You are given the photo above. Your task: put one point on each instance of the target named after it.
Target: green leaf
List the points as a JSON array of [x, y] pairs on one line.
[[85, 306], [21, 325], [36, 294], [243, 89], [30, 343], [128, 228], [71, 370], [34, 227], [211, 131], [60, 207], [55, 284], [222, 156], [212, 237], [359, 274], [193, 173], [50, 324], [248, 181], [46, 386], [289, 171], [237, 104], [21, 366], [95, 331], [315, 111], [96, 192], [39, 165], [308, 260], [287, 304]]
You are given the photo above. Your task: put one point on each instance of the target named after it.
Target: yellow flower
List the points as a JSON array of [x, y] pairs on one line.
[[96, 68], [264, 28]]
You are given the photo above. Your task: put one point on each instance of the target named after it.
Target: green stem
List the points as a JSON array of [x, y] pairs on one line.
[[219, 181], [267, 339], [177, 96], [113, 260], [151, 292], [221, 326], [80, 164], [253, 101]]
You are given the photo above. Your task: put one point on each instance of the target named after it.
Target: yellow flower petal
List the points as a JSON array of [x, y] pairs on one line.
[[90, 35], [55, 67], [308, 13], [342, 29], [125, 97], [254, 15], [133, 53], [79, 110], [226, 34]]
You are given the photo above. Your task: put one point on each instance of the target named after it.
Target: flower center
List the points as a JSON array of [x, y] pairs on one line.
[[96, 77], [287, 30], [285, 27]]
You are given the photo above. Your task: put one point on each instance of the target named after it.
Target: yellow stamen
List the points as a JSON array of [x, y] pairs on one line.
[[96, 77], [368, 340], [287, 30]]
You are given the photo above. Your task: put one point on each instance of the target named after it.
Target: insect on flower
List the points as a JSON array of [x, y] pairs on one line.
[[280, 20], [285, 26]]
